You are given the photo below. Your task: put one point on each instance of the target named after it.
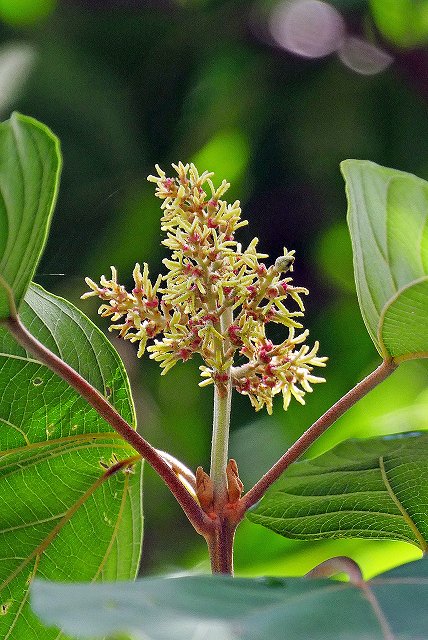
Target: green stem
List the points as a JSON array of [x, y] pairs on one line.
[[220, 440], [221, 422]]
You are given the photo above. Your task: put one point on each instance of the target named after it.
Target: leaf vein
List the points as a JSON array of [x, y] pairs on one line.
[[405, 514]]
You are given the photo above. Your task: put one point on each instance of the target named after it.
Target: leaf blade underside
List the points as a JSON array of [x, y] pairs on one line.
[[30, 167], [221, 608], [374, 489], [388, 223], [62, 514]]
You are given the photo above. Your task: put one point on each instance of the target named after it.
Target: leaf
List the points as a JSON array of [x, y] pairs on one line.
[[62, 516], [260, 551], [388, 222], [221, 608], [30, 165], [375, 488]]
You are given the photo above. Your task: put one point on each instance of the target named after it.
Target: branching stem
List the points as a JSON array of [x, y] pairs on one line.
[[219, 527]]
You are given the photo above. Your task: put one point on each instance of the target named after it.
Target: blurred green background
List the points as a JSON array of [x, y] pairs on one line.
[[127, 84]]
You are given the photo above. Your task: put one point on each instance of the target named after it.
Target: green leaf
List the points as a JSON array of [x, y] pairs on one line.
[[270, 554], [62, 516], [260, 551], [221, 608], [30, 166], [388, 222], [375, 488]]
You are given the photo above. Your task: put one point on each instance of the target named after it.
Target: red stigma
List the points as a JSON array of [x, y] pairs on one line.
[[151, 304]]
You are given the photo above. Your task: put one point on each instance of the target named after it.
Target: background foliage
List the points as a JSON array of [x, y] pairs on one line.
[[128, 83]]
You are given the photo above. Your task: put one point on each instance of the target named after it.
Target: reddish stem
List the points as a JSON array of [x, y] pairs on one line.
[[220, 546], [200, 521], [315, 431]]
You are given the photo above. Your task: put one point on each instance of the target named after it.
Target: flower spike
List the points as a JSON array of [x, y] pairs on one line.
[[210, 277]]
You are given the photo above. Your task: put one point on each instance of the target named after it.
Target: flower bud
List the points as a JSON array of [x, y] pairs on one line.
[[284, 263]]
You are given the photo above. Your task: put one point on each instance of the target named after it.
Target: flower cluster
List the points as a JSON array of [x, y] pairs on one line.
[[216, 298]]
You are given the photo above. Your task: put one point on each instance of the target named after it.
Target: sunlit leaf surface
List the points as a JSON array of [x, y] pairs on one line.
[[62, 515], [30, 164], [376, 489], [388, 221]]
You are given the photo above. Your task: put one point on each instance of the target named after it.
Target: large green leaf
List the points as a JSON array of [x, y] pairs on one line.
[[388, 221], [376, 488], [61, 516], [30, 165], [220, 608]]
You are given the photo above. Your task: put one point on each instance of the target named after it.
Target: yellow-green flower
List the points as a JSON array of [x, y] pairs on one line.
[[216, 298]]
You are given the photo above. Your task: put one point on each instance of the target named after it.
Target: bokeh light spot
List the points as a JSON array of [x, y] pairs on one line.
[[363, 57], [25, 12], [226, 154], [17, 60], [309, 28]]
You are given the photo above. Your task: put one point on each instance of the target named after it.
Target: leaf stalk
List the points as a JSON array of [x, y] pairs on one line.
[[316, 430], [200, 521]]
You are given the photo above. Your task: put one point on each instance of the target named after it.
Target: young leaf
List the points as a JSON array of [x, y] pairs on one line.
[[64, 514], [375, 488], [388, 222], [30, 165], [219, 608]]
